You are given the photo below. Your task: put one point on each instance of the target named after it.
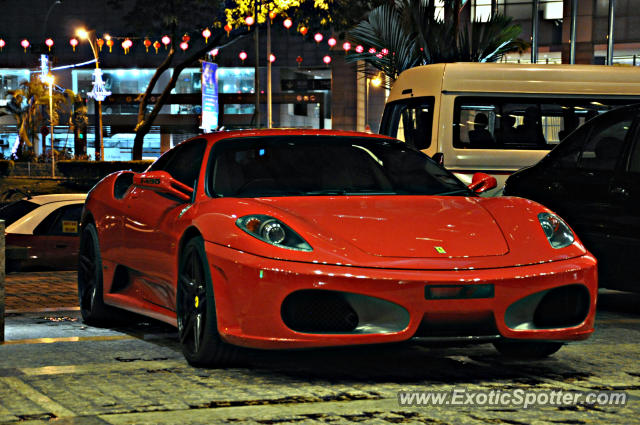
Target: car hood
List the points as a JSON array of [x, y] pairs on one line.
[[398, 232], [405, 226]]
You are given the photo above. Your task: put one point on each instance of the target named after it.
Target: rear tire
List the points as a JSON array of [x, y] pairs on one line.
[[90, 289], [196, 311], [527, 349]]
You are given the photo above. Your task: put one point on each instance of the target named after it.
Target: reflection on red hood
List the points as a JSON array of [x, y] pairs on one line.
[[399, 226]]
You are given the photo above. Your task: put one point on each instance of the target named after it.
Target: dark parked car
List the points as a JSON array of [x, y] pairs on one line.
[[592, 180]]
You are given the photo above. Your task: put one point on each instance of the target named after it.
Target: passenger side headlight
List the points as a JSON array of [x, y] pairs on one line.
[[272, 231], [557, 231]]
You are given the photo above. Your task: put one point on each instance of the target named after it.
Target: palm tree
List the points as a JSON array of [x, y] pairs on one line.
[[407, 33]]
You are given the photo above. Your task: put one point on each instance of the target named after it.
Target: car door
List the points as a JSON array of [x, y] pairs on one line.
[[57, 238], [150, 223], [578, 174], [624, 196]]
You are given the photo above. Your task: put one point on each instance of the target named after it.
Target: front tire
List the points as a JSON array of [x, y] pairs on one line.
[[527, 349], [196, 311], [90, 289]]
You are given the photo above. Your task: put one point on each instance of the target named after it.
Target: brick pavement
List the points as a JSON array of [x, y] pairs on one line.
[[33, 291]]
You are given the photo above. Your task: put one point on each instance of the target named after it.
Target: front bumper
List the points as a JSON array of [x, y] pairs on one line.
[[392, 305]]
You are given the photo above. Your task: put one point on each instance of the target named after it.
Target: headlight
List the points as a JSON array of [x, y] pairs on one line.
[[273, 231], [556, 230]]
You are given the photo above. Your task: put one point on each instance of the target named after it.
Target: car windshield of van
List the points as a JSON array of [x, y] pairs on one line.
[[325, 165], [15, 210]]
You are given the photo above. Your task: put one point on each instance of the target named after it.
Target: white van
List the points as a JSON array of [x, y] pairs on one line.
[[496, 117]]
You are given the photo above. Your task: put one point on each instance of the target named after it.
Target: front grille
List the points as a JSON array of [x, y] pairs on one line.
[[434, 326]]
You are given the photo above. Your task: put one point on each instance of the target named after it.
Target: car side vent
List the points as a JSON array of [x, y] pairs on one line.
[[122, 183]]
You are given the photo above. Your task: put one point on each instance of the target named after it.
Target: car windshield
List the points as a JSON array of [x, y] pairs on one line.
[[325, 165], [16, 210]]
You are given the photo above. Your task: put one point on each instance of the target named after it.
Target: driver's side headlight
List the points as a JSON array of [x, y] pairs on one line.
[[557, 231], [272, 231]]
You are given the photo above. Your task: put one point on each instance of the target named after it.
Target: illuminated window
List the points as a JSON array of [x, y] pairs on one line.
[[481, 10]]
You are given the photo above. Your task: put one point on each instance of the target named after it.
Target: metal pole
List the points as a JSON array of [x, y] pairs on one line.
[[612, 6], [269, 99], [53, 156], [535, 12], [574, 20], [256, 37], [92, 37]]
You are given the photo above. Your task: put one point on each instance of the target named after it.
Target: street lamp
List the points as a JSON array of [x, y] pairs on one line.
[[49, 80], [99, 92]]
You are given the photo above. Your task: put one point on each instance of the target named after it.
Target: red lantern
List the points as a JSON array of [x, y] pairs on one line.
[[331, 42], [303, 30], [272, 15], [126, 45], [214, 52], [249, 20], [228, 29], [359, 49], [49, 43], [272, 58], [299, 60], [156, 45], [384, 52], [74, 43], [184, 46], [242, 56], [326, 59], [318, 37], [287, 23], [186, 38], [110, 44], [2, 44], [25, 44], [100, 43], [372, 50], [166, 40], [346, 46], [147, 44], [206, 33]]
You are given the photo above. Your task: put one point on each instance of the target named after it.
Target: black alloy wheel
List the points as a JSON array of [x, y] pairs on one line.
[[92, 306], [196, 312]]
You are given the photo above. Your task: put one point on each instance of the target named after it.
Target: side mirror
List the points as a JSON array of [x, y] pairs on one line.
[[162, 182], [438, 157], [481, 182]]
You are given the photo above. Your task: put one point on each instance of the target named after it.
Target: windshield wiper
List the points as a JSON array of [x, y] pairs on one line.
[[341, 192]]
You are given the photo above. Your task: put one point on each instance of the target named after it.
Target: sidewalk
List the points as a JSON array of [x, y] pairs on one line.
[[40, 291]]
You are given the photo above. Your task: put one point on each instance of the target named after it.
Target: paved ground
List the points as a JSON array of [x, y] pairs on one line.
[[55, 369], [37, 290]]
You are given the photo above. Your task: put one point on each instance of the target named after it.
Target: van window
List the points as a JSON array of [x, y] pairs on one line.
[[523, 123], [410, 120]]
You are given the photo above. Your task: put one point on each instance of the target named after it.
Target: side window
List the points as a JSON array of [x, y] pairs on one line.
[[595, 146], [410, 121], [519, 122], [183, 162], [605, 142], [634, 159], [61, 222]]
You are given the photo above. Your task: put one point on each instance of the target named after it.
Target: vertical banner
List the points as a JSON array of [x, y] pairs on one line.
[[209, 96]]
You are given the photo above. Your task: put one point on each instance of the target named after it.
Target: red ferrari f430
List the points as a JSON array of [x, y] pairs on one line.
[[309, 238]]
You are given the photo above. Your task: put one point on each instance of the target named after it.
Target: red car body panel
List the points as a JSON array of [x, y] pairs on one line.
[[384, 247]]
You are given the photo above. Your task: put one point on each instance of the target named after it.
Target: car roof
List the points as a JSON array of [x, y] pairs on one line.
[[221, 135], [57, 197]]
